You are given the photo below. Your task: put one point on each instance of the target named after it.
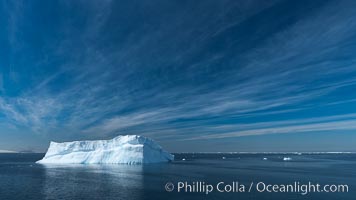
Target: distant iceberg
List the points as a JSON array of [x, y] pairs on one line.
[[129, 149], [287, 159]]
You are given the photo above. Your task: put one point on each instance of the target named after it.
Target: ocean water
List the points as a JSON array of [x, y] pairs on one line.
[[22, 179]]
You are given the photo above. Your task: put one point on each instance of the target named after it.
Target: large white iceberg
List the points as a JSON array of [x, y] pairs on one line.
[[129, 149]]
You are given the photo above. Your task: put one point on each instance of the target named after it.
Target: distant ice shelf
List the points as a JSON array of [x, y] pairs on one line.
[[6, 151], [129, 149], [273, 153]]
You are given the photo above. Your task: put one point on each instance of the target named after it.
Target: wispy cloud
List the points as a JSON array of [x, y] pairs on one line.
[[330, 123], [226, 69]]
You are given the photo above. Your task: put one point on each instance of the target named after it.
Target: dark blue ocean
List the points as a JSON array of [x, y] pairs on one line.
[[22, 179]]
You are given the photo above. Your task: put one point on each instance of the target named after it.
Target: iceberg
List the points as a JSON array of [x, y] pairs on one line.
[[129, 149]]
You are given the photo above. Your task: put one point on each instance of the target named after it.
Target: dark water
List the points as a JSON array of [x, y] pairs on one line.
[[21, 178]]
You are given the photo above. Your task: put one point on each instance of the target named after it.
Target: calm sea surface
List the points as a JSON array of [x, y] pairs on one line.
[[22, 179]]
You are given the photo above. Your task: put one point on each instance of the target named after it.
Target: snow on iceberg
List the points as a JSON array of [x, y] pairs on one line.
[[129, 149]]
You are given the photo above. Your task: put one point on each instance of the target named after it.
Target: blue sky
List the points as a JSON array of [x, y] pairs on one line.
[[194, 75]]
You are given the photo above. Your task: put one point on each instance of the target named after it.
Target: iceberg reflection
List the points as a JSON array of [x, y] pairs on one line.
[[72, 181]]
